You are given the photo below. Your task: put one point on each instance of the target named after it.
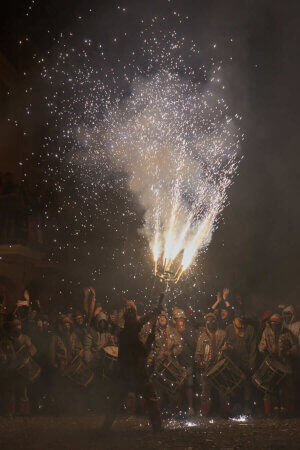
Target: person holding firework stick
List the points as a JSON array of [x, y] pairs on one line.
[[131, 375]]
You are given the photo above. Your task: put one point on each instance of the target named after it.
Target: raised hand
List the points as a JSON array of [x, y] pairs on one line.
[[225, 293], [86, 291]]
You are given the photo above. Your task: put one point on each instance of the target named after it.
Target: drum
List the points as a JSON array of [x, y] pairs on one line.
[[270, 374], [110, 357], [25, 366], [79, 372], [225, 376], [169, 374]]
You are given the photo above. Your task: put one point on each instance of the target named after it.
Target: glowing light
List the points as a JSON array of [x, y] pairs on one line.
[[239, 418]]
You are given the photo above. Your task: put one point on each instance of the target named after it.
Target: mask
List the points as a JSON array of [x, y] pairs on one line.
[[162, 322], [287, 318], [239, 326], [276, 327], [130, 317], [102, 326], [211, 325], [66, 331], [16, 332], [224, 314]]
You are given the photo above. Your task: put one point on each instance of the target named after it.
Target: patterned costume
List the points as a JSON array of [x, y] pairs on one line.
[[292, 325], [166, 340], [94, 342], [63, 349], [281, 344], [242, 342], [208, 351]]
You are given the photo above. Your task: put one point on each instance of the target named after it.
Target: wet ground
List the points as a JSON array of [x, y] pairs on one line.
[[132, 433]]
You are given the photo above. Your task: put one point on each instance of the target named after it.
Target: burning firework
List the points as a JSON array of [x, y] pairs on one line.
[[171, 137], [178, 146]]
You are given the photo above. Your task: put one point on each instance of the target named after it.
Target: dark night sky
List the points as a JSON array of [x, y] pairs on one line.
[[260, 255]]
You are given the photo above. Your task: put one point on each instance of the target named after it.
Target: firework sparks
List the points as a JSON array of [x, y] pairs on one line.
[[171, 139]]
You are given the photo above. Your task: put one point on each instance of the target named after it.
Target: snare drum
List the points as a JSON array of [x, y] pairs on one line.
[[225, 376], [79, 372], [270, 374], [169, 374], [110, 357], [25, 366]]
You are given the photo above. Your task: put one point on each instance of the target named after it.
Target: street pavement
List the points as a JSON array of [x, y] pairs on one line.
[[129, 432]]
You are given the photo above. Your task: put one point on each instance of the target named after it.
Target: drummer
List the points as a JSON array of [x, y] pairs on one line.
[[242, 350], [186, 356], [64, 343], [64, 346], [167, 341], [14, 388], [96, 338], [281, 344], [79, 325], [211, 342]]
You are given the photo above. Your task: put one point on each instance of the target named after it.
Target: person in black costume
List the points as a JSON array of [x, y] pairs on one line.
[[131, 373]]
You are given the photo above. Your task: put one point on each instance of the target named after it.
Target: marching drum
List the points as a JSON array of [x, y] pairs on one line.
[[110, 360], [25, 366], [225, 376], [79, 372], [169, 374], [270, 374]]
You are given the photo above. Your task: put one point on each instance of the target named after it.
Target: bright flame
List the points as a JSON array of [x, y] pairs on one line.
[[200, 239], [178, 245], [156, 251], [169, 240]]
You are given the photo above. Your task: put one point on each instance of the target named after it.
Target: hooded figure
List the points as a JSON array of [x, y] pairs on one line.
[[64, 345], [79, 326], [132, 373], [211, 343], [167, 340], [186, 356], [242, 344], [288, 315], [279, 342], [95, 339], [242, 339]]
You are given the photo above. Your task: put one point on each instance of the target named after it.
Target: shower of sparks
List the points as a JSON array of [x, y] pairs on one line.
[[241, 418], [159, 125]]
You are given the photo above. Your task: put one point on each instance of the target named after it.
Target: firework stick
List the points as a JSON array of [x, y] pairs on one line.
[[179, 276], [169, 264], [178, 270]]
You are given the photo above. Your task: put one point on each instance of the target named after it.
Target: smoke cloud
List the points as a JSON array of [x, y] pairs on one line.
[[178, 144]]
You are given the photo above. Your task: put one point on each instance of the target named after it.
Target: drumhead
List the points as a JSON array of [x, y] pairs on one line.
[[277, 365], [112, 350], [216, 367]]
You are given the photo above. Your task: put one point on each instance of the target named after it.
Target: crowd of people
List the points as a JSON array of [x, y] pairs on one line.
[[170, 360]]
